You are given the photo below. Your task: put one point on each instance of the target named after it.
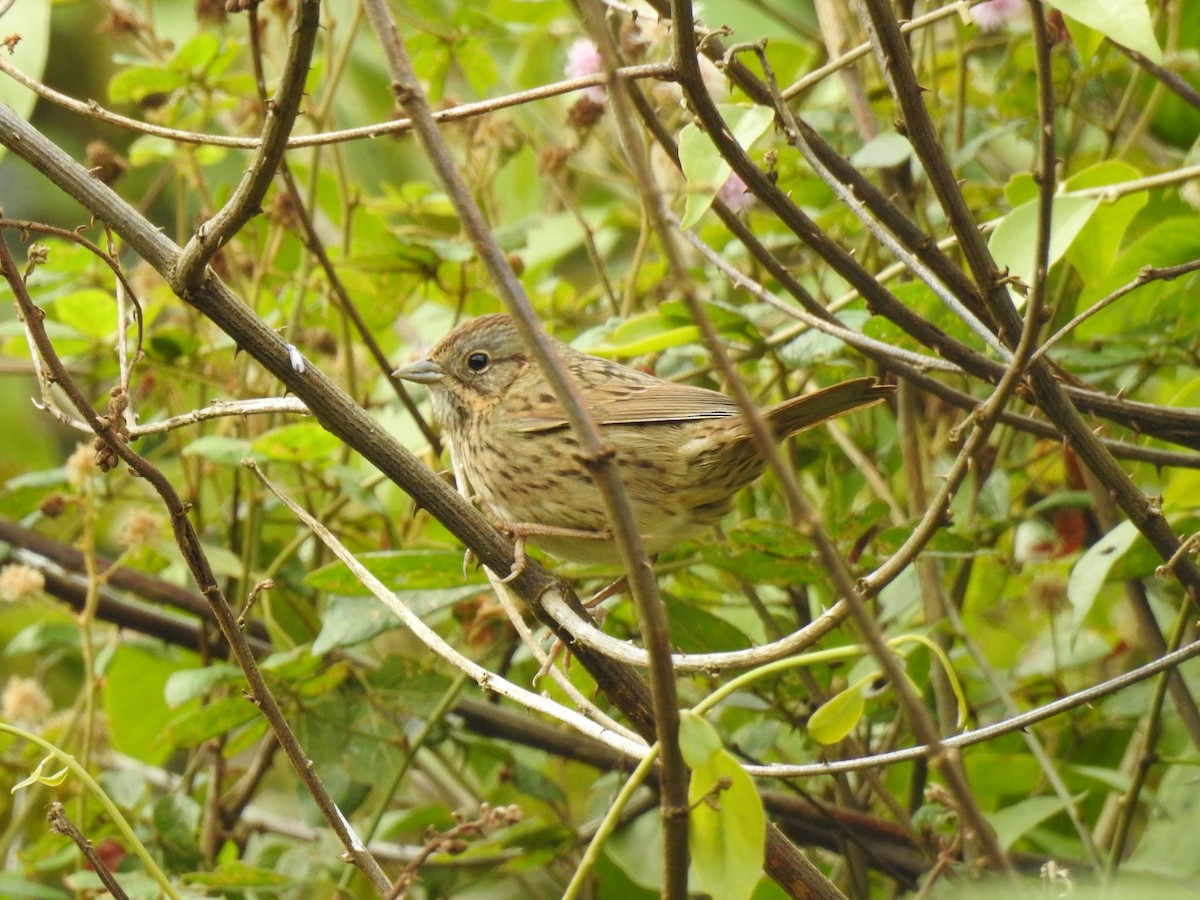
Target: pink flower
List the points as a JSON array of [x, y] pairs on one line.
[[995, 14], [584, 59], [735, 194]]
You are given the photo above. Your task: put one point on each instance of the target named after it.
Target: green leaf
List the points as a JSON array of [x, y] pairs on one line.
[[727, 837], [1168, 844], [1170, 242], [351, 620], [704, 168], [1126, 22], [197, 725], [89, 311], [1087, 40], [1013, 243], [765, 552], [698, 740], [628, 850], [478, 63], [883, 151], [136, 83], [837, 716], [148, 149], [398, 570], [1023, 816], [218, 448], [300, 442], [1095, 249], [134, 700], [16, 887], [1090, 573], [197, 53], [186, 684], [696, 630], [42, 637], [815, 346], [648, 333]]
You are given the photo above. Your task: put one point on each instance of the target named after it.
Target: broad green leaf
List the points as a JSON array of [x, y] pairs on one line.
[[1094, 251], [765, 552], [1023, 816], [136, 83], [1169, 843], [398, 570], [698, 740], [1113, 779], [815, 346], [43, 637], [89, 311], [351, 620], [218, 448], [837, 716], [1087, 40], [299, 442], [648, 333], [1170, 242], [727, 836], [1090, 573], [477, 62], [201, 723], [148, 149], [134, 689], [636, 850], [883, 151], [196, 54], [187, 684], [1020, 189], [695, 630], [17, 887], [1013, 243], [704, 168], [1126, 22]]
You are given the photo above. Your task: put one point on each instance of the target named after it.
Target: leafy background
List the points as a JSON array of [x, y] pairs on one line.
[[1035, 586]]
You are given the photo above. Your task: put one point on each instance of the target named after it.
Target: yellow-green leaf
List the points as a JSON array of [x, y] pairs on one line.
[[834, 719], [728, 829]]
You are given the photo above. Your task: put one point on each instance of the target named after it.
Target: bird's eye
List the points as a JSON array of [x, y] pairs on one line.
[[477, 362]]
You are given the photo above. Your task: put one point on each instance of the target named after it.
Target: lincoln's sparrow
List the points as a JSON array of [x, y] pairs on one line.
[[682, 451]]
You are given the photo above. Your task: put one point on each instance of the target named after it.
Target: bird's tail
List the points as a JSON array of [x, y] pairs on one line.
[[795, 415]]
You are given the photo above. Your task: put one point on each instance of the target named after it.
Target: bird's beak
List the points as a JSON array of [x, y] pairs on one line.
[[423, 371]]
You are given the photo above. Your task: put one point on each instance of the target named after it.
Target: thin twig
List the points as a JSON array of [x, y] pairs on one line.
[[246, 200], [61, 824], [1146, 275], [391, 128]]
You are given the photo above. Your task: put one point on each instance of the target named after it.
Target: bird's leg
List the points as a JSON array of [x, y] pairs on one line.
[[621, 584], [557, 648], [532, 529], [560, 647], [519, 560]]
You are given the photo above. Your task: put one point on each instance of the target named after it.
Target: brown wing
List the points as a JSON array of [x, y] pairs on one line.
[[633, 401]]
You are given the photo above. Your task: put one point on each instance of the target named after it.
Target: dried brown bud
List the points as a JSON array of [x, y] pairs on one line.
[[53, 506], [584, 114], [105, 164]]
